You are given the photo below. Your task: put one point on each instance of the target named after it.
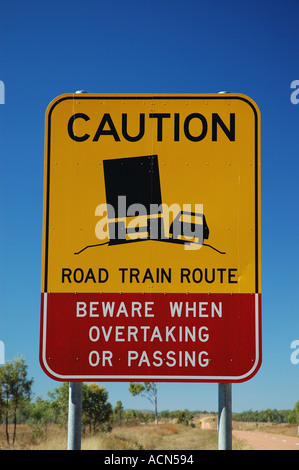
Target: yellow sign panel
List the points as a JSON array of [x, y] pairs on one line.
[[152, 194]]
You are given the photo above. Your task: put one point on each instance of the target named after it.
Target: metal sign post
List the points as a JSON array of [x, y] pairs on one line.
[[74, 418], [224, 416]]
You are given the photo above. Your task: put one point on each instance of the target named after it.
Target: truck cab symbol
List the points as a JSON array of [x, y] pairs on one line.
[[189, 227]]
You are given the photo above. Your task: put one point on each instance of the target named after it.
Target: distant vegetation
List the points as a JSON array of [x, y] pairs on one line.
[[270, 416]]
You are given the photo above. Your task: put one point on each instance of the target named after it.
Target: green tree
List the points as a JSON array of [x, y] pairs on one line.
[[96, 411], [118, 411], [296, 412], [40, 414], [130, 416], [182, 419], [165, 414], [147, 390], [15, 391], [60, 403]]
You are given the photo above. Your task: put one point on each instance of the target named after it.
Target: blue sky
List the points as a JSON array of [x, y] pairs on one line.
[[49, 48]]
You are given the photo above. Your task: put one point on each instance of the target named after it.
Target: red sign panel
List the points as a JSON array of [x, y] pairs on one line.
[[157, 337]]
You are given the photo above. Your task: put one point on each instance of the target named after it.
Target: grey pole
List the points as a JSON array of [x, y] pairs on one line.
[[75, 404], [224, 416], [74, 417]]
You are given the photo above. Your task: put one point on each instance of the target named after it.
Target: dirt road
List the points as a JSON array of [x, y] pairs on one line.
[[267, 441]]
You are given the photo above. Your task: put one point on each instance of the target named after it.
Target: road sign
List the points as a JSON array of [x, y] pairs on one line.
[[151, 238]]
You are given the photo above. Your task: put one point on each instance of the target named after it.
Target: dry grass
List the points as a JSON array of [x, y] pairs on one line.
[[140, 437], [283, 428], [151, 437], [54, 438]]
